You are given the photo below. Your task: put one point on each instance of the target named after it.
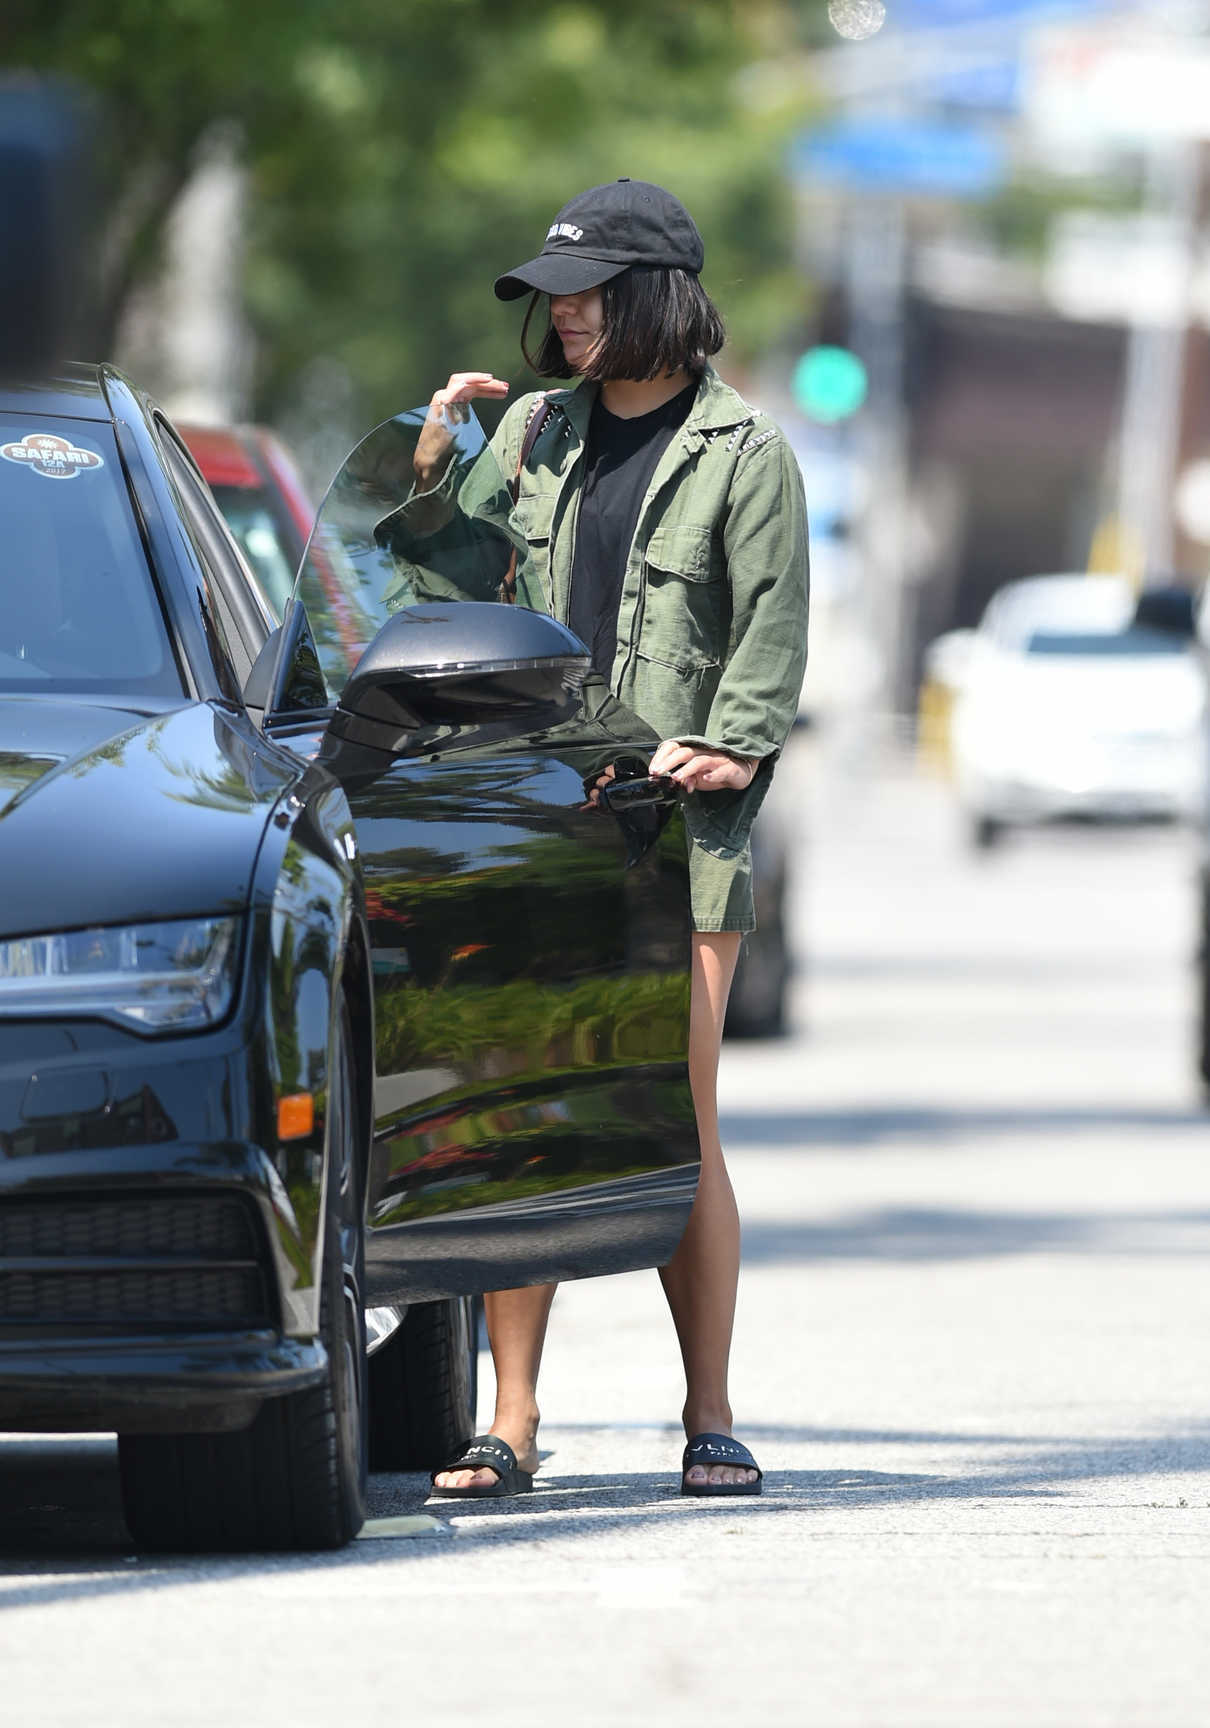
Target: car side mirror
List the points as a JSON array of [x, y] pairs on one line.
[[286, 679], [465, 663]]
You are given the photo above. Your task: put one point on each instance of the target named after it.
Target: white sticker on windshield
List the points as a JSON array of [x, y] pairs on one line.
[[53, 457]]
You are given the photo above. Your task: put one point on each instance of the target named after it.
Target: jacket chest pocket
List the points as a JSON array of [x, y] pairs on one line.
[[685, 603], [533, 514]]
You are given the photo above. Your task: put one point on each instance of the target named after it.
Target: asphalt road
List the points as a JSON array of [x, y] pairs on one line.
[[972, 1356]]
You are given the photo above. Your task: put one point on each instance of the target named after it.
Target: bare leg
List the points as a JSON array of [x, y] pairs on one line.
[[701, 1278], [699, 1281], [516, 1326]]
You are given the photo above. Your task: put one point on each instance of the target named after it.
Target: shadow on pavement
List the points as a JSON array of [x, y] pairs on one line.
[[1017, 1468], [1030, 969], [905, 1233], [858, 1125], [61, 1530]]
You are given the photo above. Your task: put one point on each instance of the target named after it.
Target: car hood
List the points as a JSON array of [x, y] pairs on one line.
[[109, 816]]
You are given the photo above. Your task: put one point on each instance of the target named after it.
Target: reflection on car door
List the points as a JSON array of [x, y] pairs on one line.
[[531, 1002]]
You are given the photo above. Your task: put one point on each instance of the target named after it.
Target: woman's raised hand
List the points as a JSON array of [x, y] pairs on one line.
[[703, 770], [445, 411]]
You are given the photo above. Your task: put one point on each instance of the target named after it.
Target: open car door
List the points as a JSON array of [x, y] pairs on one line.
[[530, 937]]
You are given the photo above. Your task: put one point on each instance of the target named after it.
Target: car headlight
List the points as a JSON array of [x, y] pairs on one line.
[[178, 976]]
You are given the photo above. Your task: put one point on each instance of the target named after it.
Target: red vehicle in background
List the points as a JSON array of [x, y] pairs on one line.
[[260, 493]]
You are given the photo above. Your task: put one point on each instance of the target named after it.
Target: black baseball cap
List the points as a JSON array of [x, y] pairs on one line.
[[604, 231]]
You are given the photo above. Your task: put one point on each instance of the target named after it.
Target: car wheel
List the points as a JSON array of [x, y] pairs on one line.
[[296, 1477], [424, 1386], [756, 1007], [985, 832]]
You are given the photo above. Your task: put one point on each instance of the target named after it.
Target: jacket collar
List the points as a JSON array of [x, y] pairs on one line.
[[716, 406]]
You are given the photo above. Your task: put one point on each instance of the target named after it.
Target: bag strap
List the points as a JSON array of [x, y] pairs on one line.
[[535, 420], [538, 415]]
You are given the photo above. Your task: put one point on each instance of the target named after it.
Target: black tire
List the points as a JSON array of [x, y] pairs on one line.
[[296, 1478], [424, 1386], [756, 1007], [985, 832]]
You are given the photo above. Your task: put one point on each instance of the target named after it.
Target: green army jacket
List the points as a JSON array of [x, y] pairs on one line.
[[712, 627]]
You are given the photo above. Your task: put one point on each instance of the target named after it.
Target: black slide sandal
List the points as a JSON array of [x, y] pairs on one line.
[[486, 1451], [708, 1449]]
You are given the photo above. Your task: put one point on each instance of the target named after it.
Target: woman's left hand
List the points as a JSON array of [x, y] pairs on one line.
[[703, 770]]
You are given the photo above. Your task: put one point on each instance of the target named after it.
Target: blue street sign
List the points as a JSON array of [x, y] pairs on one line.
[[993, 86], [935, 157], [937, 14]]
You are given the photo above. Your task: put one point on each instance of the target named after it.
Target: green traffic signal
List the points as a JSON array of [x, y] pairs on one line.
[[829, 384]]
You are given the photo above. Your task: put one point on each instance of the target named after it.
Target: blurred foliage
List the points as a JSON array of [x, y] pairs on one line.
[[403, 152]]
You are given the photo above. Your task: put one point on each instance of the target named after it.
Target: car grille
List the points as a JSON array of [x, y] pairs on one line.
[[144, 1263], [206, 1227]]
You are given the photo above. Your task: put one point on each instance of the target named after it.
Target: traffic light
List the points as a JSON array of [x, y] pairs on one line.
[[829, 384]]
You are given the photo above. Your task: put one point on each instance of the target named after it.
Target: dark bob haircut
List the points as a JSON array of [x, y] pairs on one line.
[[657, 320]]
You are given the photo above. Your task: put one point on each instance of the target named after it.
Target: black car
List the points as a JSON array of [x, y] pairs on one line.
[[332, 990]]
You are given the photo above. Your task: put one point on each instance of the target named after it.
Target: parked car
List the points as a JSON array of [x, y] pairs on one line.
[[261, 494], [1069, 707], [328, 995]]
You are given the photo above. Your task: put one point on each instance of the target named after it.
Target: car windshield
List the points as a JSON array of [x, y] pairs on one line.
[[78, 606], [380, 543], [1106, 644]]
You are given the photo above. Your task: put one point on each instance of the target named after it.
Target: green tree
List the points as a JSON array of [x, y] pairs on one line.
[[402, 152]]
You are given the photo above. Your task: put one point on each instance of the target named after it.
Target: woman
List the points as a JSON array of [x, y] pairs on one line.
[[665, 523]]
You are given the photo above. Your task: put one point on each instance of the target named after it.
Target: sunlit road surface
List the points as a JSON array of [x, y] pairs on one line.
[[973, 1355]]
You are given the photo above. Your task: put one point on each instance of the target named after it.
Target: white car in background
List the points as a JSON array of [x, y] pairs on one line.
[[1069, 707]]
